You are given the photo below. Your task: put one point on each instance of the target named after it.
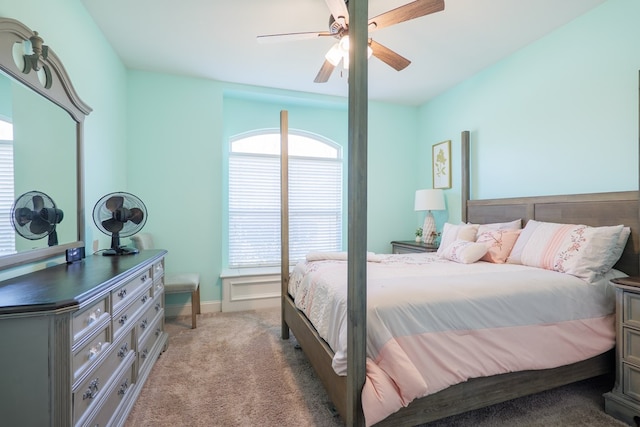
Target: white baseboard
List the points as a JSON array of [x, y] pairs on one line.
[[250, 292], [239, 293]]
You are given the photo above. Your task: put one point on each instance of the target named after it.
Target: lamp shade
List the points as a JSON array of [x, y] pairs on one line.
[[429, 200]]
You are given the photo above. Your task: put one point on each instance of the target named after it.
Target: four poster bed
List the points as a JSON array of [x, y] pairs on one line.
[[467, 392]]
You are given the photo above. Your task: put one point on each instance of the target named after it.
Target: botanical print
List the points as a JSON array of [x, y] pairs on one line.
[[441, 156]]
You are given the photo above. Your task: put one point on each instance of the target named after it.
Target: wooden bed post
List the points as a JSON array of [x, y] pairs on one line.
[[466, 180], [284, 216], [357, 208]]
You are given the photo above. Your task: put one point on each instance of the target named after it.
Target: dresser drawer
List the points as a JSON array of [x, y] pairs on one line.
[[147, 342], [114, 397], [127, 316], [145, 321], [631, 383], [631, 310], [122, 295], [91, 388], [84, 321], [631, 346], [89, 352], [158, 269]]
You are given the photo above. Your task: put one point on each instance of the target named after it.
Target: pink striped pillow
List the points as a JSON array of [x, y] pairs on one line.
[[579, 250]]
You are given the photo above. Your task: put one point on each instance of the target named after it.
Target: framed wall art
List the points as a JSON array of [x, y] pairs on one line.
[[441, 159]]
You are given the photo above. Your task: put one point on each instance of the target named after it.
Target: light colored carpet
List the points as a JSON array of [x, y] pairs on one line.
[[234, 370]]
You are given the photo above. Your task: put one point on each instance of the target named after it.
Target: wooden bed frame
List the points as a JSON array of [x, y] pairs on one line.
[[590, 209]]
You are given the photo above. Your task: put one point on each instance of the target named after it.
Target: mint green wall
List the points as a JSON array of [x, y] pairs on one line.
[[99, 77], [178, 135], [558, 117]]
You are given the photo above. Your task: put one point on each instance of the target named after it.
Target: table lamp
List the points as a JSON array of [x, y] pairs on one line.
[[429, 200]]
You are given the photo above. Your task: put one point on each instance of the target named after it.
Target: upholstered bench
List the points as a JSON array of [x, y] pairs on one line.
[[175, 283]]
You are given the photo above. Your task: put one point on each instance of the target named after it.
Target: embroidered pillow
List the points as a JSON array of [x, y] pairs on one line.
[[464, 251], [511, 225], [499, 244], [451, 233], [580, 250]]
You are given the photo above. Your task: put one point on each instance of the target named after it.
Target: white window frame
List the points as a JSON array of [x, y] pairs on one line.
[[315, 200]]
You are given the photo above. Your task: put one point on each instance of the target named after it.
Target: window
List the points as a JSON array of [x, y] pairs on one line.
[[315, 198], [7, 234]]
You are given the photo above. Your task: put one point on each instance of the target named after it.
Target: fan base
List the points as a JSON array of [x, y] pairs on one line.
[[121, 250]]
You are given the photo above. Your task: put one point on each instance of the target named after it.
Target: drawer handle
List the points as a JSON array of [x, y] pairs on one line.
[[92, 390], [143, 324], [123, 388], [158, 306], [95, 350], [123, 319], [158, 332], [143, 278], [123, 351], [144, 353], [122, 293], [144, 298], [93, 316]]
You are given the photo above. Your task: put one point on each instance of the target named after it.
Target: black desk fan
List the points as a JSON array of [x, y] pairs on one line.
[[118, 215], [34, 215]]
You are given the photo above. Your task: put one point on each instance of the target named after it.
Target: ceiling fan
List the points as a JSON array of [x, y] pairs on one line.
[[339, 28]]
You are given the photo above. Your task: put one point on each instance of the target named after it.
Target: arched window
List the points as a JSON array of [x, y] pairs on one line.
[[315, 197]]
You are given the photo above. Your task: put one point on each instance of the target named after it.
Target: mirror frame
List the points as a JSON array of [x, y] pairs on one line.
[[62, 94]]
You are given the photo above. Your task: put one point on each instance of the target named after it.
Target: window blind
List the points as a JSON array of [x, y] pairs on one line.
[[315, 208], [7, 234]]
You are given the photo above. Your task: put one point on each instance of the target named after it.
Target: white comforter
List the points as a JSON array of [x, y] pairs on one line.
[[432, 323]]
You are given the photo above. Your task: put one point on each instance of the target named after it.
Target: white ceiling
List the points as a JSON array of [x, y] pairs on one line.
[[216, 39]]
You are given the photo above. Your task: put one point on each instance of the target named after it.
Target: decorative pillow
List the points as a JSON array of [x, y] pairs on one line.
[[499, 244], [580, 250], [616, 253], [511, 225], [464, 251], [451, 233]]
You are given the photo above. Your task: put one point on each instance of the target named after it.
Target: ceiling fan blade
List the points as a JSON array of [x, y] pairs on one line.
[[409, 11], [388, 56], [277, 38], [339, 10], [325, 72]]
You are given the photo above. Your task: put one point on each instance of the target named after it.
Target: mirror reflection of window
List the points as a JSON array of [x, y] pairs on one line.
[[7, 234]]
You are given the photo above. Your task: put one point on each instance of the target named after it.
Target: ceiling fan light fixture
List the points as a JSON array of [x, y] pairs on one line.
[[334, 55], [340, 51]]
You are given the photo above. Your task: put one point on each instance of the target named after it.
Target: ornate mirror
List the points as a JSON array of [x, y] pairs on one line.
[[41, 130]]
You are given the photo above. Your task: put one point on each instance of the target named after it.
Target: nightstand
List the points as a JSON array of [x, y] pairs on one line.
[[623, 402], [411, 246]]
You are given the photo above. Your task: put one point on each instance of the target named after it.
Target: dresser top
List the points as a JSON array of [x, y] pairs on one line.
[[68, 285]]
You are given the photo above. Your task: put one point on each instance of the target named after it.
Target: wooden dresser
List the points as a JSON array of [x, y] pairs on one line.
[[77, 341], [623, 402]]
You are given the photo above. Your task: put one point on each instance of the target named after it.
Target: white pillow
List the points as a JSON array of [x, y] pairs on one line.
[[451, 233], [580, 250], [464, 251]]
